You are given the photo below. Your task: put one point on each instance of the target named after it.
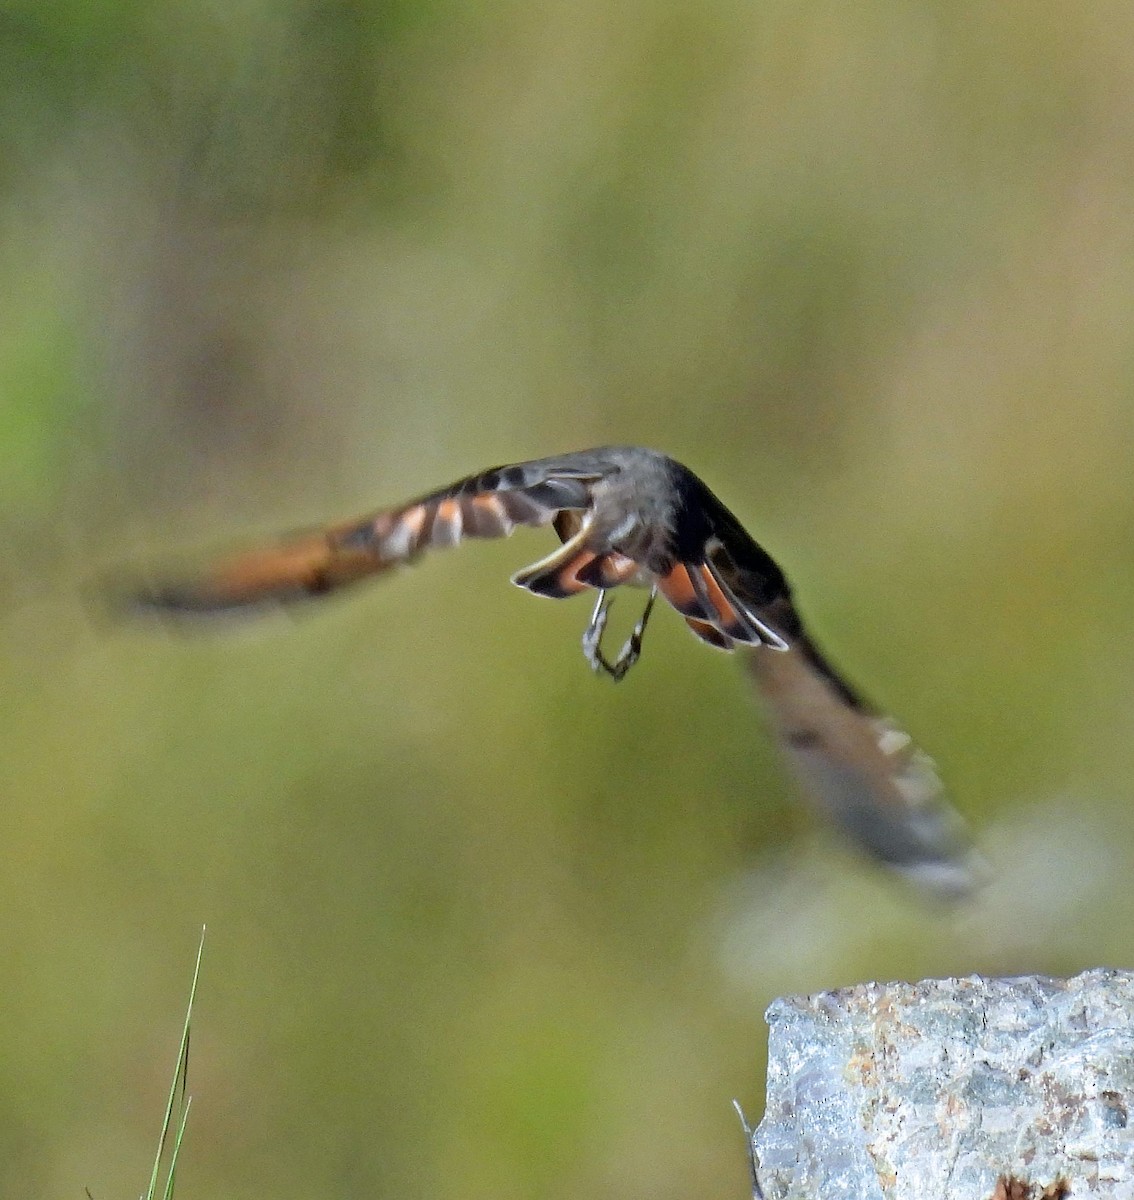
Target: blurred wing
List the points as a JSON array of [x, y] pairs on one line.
[[862, 772], [490, 504]]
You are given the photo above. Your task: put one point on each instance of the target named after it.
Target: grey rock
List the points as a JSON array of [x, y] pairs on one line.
[[934, 1090]]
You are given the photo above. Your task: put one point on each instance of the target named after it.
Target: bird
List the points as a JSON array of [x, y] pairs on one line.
[[627, 515]]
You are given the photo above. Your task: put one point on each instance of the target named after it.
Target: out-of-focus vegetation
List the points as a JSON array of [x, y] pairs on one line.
[[480, 924]]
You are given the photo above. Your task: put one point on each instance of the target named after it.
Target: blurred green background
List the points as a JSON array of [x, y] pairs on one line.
[[481, 925]]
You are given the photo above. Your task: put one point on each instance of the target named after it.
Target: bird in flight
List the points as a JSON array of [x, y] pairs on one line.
[[628, 515]]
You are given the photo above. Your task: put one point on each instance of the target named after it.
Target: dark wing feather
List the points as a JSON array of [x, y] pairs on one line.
[[720, 576], [860, 770], [489, 504], [857, 767]]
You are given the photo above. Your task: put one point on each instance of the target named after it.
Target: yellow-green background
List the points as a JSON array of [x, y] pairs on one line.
[[481, 925]]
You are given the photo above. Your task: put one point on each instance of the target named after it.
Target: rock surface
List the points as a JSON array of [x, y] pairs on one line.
[[938, 1090]]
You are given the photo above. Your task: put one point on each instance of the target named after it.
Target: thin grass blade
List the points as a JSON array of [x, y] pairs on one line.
[[180, 1079]]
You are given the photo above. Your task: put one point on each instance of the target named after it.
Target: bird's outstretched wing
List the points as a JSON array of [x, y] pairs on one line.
[[860, 770], [489, 504], [856, 767]]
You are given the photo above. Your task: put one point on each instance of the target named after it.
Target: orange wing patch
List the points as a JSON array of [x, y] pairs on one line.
[[677, 588], [447, 523], [607, 571], [308, 566], [726, 617], [697, 595], [484, 516], [568, 578], [709, 633]]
